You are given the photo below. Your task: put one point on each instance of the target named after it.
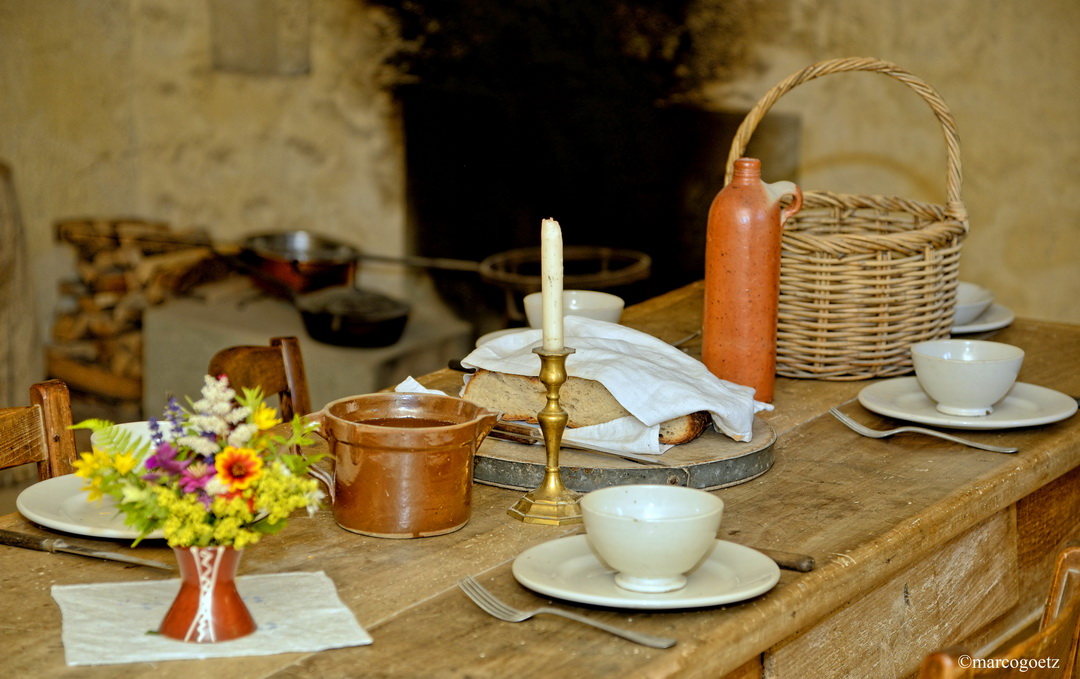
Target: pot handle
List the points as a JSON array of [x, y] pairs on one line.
[[318, 473]]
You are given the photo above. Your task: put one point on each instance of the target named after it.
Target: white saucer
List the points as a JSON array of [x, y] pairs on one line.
[[1026, 405], [568, 569], [994, 318], [61, 504]]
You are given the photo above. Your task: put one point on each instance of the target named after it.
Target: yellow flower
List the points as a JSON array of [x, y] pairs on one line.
[[89, 464], [265, 417], [124, 462], [238, 468], [95, 489]]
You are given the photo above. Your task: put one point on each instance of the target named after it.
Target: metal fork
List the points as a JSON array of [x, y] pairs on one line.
[[487, 601], [880, 434]]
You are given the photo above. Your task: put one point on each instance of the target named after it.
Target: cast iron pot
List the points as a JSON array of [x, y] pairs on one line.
[[351, 317]]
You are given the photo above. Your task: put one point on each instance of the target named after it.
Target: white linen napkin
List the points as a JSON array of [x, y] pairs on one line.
[[653, 380], [107, 623]]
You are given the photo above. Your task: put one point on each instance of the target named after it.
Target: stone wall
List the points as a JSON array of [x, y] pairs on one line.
[[128, 108], [1010, 72], [115, 108]]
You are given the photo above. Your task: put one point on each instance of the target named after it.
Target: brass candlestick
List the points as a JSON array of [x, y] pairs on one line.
[[551, 503]]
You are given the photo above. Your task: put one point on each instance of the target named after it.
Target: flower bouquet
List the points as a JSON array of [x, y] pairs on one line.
[[214, 478]]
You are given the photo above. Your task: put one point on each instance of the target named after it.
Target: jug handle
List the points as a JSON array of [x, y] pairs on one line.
[[484, 426], [319, 474], [778, 190]]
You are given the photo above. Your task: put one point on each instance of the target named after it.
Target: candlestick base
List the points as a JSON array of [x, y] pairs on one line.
[[559, 509], [552, 503]]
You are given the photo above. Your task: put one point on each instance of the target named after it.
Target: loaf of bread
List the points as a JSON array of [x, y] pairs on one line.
[[586, 402]]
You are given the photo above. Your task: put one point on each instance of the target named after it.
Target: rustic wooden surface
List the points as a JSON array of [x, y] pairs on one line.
[[876, 514]]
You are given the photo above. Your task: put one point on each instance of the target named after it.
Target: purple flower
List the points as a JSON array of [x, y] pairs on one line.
[[174, 414], [164, 460], [195, 477], [156, 436]]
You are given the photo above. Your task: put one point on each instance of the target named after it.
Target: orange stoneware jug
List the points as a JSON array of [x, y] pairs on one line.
[[742, 277], [403, 463]]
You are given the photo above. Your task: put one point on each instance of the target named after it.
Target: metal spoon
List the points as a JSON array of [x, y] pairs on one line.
[[879, 434]]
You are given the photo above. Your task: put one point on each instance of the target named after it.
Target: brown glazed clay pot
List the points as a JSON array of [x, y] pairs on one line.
[[403, 462]]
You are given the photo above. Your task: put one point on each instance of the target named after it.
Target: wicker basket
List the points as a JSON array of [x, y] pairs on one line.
[[863, 277]]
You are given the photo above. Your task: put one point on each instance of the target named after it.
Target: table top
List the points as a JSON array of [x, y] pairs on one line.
[[863, 508]]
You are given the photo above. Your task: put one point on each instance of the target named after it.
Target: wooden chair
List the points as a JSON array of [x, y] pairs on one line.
[[40, 432], [278, 369], [1056, 639]]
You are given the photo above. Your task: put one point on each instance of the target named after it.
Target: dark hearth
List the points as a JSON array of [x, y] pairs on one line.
[[519, 110]]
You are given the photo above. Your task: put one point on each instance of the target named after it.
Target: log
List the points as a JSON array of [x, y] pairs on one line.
[[92, 379]]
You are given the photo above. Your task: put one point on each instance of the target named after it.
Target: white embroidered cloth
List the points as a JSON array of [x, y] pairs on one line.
[[108, 623]]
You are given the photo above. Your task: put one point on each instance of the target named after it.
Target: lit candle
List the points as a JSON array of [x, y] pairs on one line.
[[551, 284]]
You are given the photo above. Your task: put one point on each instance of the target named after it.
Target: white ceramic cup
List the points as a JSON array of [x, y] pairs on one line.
[[971, 301], [651, 535], [966, 377], [600, 306]]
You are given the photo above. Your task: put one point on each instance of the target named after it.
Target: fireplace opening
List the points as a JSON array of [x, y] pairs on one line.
[[518, 111]]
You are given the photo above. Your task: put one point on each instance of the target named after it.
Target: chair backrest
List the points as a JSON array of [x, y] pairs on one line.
[[1055, 642], [40, 432], [277, 368]]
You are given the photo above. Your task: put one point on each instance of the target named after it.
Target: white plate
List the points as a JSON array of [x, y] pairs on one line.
[[1026, 405], [61, 504], [484, 339], [993, 318], [568, 569]]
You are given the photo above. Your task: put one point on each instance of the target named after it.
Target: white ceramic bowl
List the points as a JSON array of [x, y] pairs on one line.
[[966, 377], [651, 535], [971, 301], [601, 306]]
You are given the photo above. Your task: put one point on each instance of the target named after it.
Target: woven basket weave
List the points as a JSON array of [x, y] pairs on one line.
[[863, 277]]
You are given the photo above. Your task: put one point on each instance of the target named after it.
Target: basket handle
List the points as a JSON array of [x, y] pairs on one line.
[[954, 206]]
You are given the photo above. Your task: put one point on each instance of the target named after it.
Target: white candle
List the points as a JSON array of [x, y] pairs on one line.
[[551, 285]]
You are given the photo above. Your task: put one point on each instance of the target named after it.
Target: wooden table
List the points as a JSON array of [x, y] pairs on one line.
[[919, 543]]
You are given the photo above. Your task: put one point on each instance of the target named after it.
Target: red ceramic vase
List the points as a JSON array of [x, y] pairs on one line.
[[208, 607]]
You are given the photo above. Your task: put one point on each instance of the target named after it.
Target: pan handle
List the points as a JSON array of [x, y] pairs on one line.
[[425, 262]]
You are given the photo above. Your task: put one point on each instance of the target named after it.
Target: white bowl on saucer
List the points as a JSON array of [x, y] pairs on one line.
[[966, 377], [600, 306], [651, 535], [971, 301]]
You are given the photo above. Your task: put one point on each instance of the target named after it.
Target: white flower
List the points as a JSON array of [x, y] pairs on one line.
[[314, 499], [217, 397], [209, 423], [200, 444], [242, 434], [133, 493], [216, 486], [238, 415]]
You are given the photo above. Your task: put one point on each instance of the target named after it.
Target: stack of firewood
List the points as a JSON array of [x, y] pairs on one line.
[[123, 267]]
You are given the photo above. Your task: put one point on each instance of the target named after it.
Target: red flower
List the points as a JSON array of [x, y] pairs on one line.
[[238, 468]]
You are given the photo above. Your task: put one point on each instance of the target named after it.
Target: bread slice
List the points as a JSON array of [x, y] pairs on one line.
[[586, 402]]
